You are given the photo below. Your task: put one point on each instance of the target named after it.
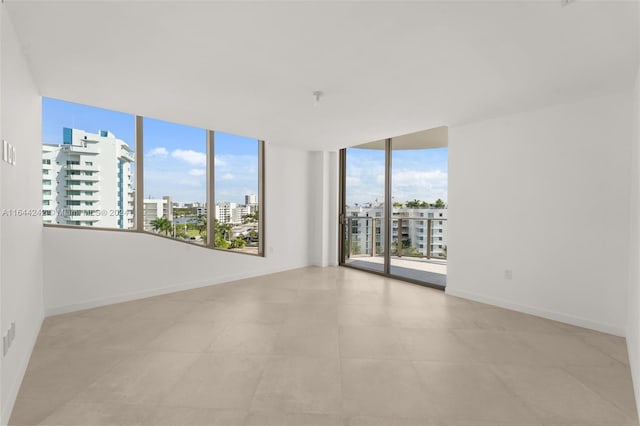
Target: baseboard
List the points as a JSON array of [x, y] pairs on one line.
[[7, 409], [127, 297], [544, 313], [634, 364]]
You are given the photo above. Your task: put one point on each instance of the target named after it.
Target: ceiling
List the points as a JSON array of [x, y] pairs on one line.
[[437, 137], [386, 68]]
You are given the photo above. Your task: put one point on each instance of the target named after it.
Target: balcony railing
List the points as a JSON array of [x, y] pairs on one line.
[[84, 178], [82, 167], [81, 149], [88, 197], [80, 187], [415, 240], [85, 207]]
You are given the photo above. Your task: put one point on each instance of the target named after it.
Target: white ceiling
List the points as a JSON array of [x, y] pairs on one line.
[[386, 68]]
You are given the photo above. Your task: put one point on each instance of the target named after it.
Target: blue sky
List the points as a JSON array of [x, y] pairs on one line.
[[175, 159], [416, 174], [174, 154]]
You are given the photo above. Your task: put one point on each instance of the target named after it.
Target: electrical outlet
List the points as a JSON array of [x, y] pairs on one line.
[[508, 274]]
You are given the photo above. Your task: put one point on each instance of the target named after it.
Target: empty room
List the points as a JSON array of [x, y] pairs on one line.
[[320, 213]]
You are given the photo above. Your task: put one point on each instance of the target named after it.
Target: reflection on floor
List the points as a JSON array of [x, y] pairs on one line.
[[321, 346], [432, 271]]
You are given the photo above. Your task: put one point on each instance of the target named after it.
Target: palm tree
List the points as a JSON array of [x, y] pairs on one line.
[[161, 224], [201, 223]]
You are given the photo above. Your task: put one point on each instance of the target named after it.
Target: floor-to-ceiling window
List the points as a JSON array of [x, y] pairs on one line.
[[364, 213], [394, 206]]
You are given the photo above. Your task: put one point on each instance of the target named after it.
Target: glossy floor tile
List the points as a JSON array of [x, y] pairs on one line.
[[321, 347]]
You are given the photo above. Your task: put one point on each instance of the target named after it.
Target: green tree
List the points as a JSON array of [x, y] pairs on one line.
[[251, 217], [222, 234], [397, 204], [237, 243], [439, 204], [162, 224], [201, 224], [253, 235], [413, 204]]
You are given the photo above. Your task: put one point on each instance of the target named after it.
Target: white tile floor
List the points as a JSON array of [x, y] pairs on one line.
[[331, 346]]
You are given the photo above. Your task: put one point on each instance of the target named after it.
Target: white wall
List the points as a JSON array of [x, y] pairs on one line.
[[21, 237], [545, 194], [1, 206], [324, 208], [633, 311], [85, 268]]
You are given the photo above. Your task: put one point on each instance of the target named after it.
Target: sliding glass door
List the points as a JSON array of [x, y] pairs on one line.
[[394, 207], [364, 215], [418, 191]]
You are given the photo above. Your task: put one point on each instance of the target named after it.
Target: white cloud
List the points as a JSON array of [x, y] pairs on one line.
[[197, 172], [422, 185], [353, 181], [190, 156], [227, 176], [193, 183], [419, 178], [158, 152]]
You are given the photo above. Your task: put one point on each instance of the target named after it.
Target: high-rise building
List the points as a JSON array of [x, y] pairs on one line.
[[238, 214], [155, 208], [250, 199], [224, 212], [87, 180], [424, 229]]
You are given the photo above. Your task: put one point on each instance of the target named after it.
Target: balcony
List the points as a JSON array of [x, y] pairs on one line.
[[410, 256], [81, 149], [95, 206], [81, 167], [125, 155], [82, 218], [82, 178], [80, 187], [83, 197]]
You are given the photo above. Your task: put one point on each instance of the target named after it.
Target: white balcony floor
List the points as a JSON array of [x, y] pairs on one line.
[[432, 271]]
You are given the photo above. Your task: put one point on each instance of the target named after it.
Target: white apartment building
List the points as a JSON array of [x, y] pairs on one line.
[[155, 208], [423, 229], [87, 180], [224, 212], [251, 203], [238, 213], [234, 213]]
